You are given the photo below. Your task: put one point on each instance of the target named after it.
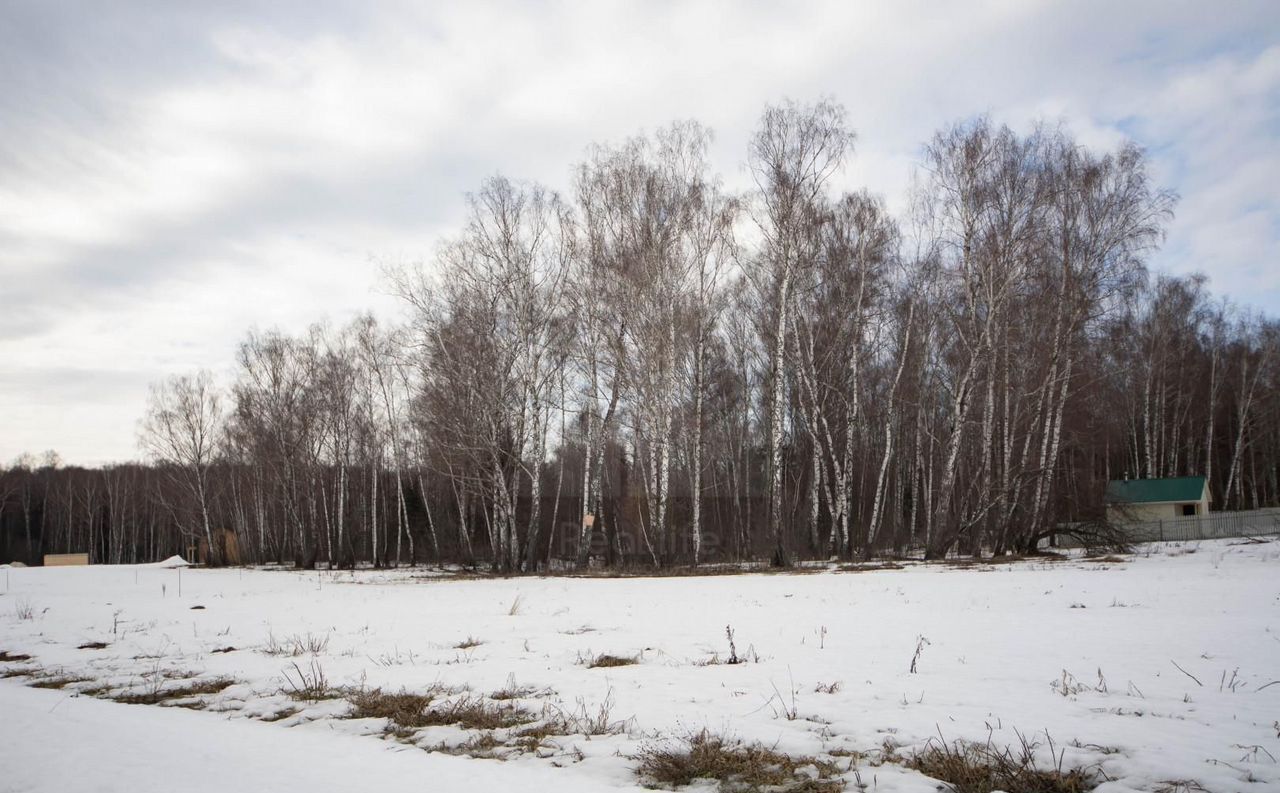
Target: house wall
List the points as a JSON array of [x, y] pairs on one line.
[[1164, 510]]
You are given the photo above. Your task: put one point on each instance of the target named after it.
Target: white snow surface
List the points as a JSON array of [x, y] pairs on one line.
[[1001, 642], [171, 562], [67, 743]]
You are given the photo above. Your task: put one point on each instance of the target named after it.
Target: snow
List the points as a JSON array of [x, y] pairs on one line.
[[1084, 651], [76, 743], [170, 563]]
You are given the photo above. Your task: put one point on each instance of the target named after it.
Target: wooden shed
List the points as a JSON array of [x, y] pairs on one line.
[[1141, 500]]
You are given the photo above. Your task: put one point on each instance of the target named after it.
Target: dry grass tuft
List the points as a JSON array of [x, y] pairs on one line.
[[409, 711], [513, 690], [403, 708], [23, 672], [1181, 786], [478, 713], [735, 765], [157, 695], [579, 720], [57, 681], [308, 684], [484, 746], [607, 661], [279, 715], [982, 768], [97, 690], [468, 643], [296, 645], [8, 656]]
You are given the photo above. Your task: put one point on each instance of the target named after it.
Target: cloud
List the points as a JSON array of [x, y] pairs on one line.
[[171, 174]]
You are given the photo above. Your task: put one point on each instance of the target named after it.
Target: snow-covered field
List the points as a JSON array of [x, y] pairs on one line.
[[1082, 653]]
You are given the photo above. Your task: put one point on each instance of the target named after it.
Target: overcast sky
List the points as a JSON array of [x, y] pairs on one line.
[[171, 175]]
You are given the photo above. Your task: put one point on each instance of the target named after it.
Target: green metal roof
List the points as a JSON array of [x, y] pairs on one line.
[[1146, 491]]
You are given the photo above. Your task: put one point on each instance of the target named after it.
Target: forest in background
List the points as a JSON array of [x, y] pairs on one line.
[[652, 370]]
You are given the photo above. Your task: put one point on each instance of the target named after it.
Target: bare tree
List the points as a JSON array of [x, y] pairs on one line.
[[183, 428]]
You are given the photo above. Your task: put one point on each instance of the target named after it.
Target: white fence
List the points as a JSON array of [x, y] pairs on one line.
[[1214, 526]]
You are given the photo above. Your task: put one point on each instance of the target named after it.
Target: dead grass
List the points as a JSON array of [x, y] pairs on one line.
[[279, 715], [517, 606], [404, 708], [580, 720], [309, 683], [409, 711], [478, 713], [157, 695], [1181, 786], [484, 746], [468, 643], [983, 768], [608, 661], [57, 681], [735, 765], [513, 690], [296, 645], [101, 689], [8, 656]]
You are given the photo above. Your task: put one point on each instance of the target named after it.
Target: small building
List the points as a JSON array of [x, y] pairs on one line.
[[1140, 500], [226, 544]]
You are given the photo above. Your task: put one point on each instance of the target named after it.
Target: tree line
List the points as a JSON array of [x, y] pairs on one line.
[[651, 369]]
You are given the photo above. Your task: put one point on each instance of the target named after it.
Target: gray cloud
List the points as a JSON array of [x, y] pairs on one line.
[[172, 173]]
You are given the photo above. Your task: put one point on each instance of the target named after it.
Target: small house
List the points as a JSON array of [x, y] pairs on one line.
[[1139, 500]]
